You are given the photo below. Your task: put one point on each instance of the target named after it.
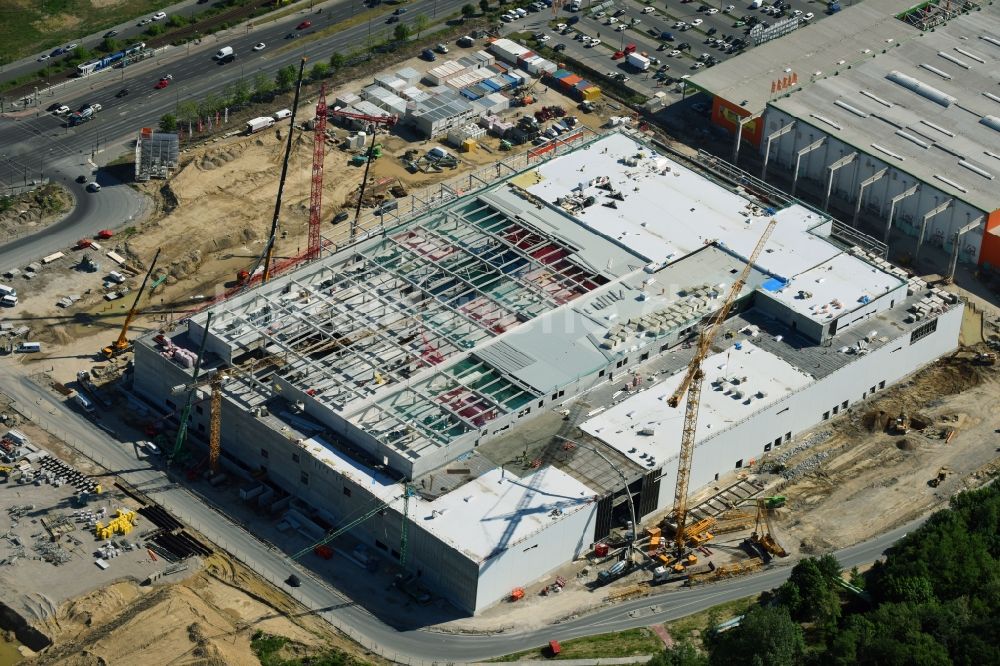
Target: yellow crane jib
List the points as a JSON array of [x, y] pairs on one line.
[[691, 384]]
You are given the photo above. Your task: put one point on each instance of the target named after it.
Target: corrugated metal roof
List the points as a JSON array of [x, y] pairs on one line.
[[746, 80]]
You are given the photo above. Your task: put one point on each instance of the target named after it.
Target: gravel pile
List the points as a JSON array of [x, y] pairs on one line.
[[810, 463]]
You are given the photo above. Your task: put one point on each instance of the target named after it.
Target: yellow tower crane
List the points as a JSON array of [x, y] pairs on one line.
[[691, 385]]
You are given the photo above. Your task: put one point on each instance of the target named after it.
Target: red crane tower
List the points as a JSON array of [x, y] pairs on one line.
[[316, 195]]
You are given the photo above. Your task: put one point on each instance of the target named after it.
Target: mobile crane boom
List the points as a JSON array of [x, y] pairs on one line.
[[122, 344], [691, 384]]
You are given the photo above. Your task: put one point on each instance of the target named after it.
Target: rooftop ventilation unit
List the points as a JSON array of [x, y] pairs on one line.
[[976, 169], [970, 55], [948, 181], [921, 88], [871, 95], [934, 70], [853, 109], [958, 61], [990, 121], [910, 137]]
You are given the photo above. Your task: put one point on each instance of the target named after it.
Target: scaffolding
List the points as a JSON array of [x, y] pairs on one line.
[[156, 154]]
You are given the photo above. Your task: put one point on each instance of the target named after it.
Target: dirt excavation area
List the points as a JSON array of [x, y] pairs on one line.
[[864, 474], [25, 214], [210, 618]]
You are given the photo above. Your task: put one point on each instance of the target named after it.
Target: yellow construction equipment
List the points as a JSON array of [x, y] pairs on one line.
[[122, 523], [122, 344], [761, 534], [691, 385]]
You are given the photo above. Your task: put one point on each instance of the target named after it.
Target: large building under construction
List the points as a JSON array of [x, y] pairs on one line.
[[507, 357]]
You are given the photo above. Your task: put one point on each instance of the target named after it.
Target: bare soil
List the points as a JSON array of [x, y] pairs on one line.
[[34, 211]]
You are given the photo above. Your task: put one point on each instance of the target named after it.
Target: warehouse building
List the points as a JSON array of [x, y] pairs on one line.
[[882, 111], [410, 362]]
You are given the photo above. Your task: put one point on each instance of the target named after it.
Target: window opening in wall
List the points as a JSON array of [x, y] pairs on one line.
[[562, 393], [665, 347], [645, 356], [170, 404], [264, 453], [788, 436], [826, 416], [777, 441], [881, 384], [201, 427], [601, 373], [923, 330], [395, 554], [199, 409], [347, 491], [716, 476], [767, 447], [295, 457], [524, 412], [872, 389], [555, 395], [380, 545], [541, 403], [843, 405], [836, 409], [739, 463], [304, 478]]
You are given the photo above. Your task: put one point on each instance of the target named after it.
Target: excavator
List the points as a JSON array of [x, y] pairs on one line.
[[122, 344]]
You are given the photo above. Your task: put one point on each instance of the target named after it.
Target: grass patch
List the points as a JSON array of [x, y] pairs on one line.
[[685, 627], [628, 643], [280, 651], [37, 26]]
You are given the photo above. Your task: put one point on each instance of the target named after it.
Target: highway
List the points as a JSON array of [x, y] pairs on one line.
[[410, 646], [35, 143]]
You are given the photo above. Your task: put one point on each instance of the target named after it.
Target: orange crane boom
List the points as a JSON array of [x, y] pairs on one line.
[[691, 384], [316, 193], [121, 344]]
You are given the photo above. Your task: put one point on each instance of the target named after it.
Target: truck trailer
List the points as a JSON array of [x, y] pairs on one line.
[[637, 60]]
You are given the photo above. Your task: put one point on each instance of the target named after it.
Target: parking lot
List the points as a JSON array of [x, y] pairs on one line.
[[708, 35]]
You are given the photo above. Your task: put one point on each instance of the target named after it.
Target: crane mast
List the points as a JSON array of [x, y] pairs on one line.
[[691, 384]]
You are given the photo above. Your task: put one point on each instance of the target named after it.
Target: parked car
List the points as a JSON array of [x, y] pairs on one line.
[[43, 57], [441, 48], [70, 47], [159, 16], [110, 33], [428, 55], [61, 109], [259, 46]]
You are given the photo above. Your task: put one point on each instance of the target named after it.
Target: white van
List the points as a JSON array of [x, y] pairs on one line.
[[282, 114], [575, 6], [9, 301], [29, 347], [86, 404], [223, 52], [7, 291]]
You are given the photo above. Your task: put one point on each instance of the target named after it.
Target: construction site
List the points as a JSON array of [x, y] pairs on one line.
[[498, 377]]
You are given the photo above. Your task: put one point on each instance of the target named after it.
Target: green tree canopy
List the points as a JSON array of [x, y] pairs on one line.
[[401, 32], [468, 11], [285, 79], [168, 122], [767, 636]]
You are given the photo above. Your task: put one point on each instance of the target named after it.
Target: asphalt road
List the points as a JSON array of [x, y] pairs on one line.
[[411, 646], [36, 143]]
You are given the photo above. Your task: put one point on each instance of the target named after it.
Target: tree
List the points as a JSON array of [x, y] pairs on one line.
[[420, 23], [238, 93], [168, 122], [285, 78], [319, 71], [337, 60], [262, 86], [682, 653], [187, 111], [402, 32], [765, 637], [468, 11], [111, 45], [210, 103], [484, 5], [176, 21], [809, 594], [155, 29]]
